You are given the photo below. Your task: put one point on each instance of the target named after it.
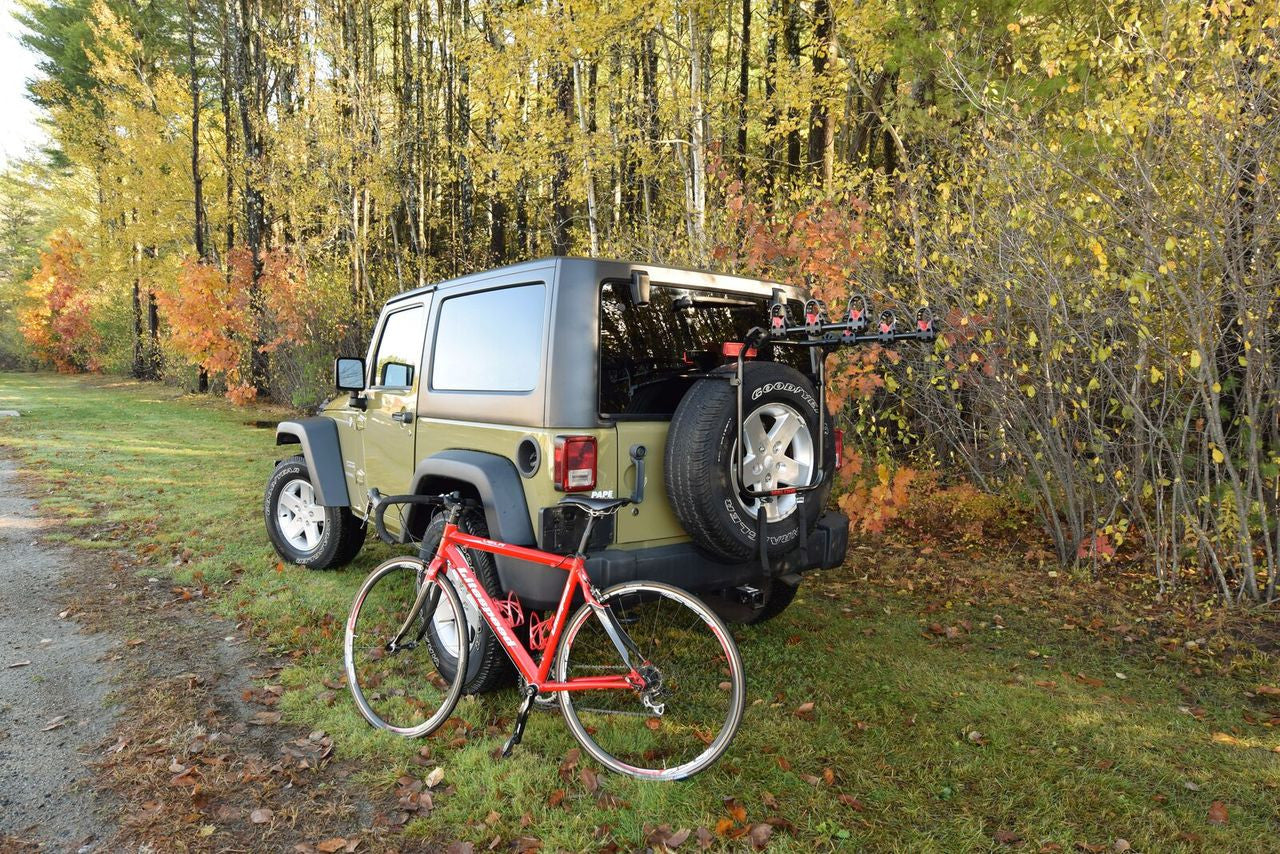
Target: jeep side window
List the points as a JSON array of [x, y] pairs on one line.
[[395, 364], [490, 341]]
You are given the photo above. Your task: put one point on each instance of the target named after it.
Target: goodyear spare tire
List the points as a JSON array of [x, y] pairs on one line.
[[780, 427]]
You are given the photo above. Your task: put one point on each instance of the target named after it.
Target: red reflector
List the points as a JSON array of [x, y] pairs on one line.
[[575, 463], [839, 448], [731, 349]]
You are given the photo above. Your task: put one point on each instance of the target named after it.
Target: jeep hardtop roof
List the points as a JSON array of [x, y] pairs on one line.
[[599, 269]]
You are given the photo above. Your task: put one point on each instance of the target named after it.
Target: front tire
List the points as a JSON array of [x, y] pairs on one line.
[[394, 676], [302, 531]]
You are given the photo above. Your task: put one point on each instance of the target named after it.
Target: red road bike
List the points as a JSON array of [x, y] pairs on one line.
[[648, 678]]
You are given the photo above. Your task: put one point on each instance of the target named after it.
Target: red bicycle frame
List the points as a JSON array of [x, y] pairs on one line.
[[449, 555]]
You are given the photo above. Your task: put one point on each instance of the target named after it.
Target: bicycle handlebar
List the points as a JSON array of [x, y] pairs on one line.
[[379, 504]]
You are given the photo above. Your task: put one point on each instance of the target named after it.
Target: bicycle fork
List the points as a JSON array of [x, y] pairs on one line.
[[428, 595]]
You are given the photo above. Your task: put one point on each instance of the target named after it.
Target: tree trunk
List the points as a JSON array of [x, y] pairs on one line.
[[250, 92], [197, 183], [744, 88], [561, 210], [822, 129]]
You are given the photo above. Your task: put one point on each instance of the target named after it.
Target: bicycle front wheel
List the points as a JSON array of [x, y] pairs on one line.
[[393, 669], [684, 723]]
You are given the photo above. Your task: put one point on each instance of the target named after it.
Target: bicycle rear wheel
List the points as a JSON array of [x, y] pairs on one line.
[[392, 668], [684, 725]]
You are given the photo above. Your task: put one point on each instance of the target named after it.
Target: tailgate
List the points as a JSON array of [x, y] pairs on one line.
[[650, 522]]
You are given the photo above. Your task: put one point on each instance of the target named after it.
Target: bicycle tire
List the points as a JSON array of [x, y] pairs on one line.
[[713, 662], [377, 690]]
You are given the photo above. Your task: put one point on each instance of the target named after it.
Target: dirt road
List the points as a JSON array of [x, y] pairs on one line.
[[53, 690]]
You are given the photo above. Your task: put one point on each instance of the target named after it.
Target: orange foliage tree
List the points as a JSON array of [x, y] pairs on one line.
[[215, 324], [822, 242], [56, 323]]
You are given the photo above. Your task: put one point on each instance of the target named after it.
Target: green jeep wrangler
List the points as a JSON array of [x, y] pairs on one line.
[[519, 385]]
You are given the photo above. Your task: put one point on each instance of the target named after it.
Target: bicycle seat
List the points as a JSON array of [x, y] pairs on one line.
[[595, 506]]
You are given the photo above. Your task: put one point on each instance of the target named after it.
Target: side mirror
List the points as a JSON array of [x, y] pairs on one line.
[[397, 375], [348, 373], [639, 287]]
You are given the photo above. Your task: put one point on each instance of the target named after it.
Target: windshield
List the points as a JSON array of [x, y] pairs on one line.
[[651, 354]]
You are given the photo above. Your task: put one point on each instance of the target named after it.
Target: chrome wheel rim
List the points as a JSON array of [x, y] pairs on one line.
[[780, 455], [299, 517]]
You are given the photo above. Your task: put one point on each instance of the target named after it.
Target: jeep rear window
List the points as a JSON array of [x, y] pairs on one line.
[[651, 354]]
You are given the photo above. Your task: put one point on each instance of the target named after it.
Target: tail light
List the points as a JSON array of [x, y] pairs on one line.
[[839, 448], [575, 463]]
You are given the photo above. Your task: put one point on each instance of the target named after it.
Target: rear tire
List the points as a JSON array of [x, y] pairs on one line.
[[702, 684], [302, 531]]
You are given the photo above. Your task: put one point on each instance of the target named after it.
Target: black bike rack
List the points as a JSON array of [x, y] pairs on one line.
[[817, 332]]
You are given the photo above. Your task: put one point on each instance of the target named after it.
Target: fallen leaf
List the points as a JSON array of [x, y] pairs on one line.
[[556, 798], [805, 710], [759, 834], [265, 718], [590, 780], [434, 778], [705, 838], [678, 838], [851, 802], [54, 723], [736, 810], [1268, 691], [19, 664], [1226, 738], [329, 846], [262, 815], [1006, 837], [1217, 813], [1121, 845]]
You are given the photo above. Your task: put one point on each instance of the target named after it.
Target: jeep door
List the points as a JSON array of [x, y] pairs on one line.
[[395, 369]]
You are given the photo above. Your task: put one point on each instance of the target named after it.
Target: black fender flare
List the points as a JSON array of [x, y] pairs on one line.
[[318, 437], [497, 485]]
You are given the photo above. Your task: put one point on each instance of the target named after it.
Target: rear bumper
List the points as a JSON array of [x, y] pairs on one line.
[[682, 565]]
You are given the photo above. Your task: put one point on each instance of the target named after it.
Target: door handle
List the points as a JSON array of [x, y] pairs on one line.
[[637, 459], [403, 416]]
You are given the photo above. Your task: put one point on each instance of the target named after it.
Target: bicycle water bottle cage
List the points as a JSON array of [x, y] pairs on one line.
[[887, 326]]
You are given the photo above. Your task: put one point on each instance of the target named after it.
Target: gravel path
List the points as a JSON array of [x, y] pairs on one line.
[[53, 709]]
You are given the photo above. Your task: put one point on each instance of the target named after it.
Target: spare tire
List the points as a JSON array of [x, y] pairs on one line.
[[780, 423]]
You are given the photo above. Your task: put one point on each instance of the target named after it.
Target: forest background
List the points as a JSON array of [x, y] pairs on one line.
[[1085, 192]]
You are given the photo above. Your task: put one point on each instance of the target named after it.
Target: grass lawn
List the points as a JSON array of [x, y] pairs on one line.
[[944, 718]]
